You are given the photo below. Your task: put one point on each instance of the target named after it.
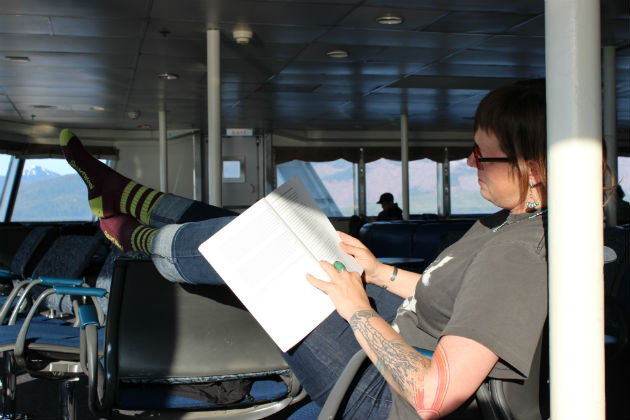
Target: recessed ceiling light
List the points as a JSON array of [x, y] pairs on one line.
[[168, 76], [242, 35], [389, 20], [17, 59], [97, 108], [337, 53]]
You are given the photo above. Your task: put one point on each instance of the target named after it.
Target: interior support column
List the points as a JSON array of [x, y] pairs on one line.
[[214, 116], [163, 151], [404, 163], [575, 237]]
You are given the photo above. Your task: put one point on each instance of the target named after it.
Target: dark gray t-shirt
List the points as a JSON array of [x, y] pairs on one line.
[[490, 287]]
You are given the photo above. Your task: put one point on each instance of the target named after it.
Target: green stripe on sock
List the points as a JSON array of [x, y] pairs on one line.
[[125, 196], [141, 239], [149, 241], [133, 209], [96, 205], [145, 212], [133, 239]]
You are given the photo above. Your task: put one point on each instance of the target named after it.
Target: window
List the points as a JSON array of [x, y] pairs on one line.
[[465, 196], [384, 175], [50, 190], [423, 187], [233, 171], [330, 183], [337, 177], [5, 162]]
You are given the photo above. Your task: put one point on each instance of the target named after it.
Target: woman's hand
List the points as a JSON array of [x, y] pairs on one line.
[[365, 258], [345, 289]]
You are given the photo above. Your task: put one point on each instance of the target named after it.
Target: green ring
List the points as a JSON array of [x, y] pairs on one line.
[[339, 266]]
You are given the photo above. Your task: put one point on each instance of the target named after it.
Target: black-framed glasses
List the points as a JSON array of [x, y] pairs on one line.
[[482, 159]]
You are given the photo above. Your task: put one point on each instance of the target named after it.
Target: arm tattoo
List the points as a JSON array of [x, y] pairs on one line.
[[394, 358], [404, 366], [443, 376]]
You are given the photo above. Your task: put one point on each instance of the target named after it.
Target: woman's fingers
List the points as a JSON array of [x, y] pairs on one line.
[[320, 284], [350, 240]]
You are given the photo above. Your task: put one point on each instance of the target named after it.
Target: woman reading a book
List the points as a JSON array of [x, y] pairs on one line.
[[480, 306]]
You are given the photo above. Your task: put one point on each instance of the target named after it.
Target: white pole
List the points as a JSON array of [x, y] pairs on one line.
[[610, 127], [404, 163], [163, 151], [214, 116], [361, 183], [576, 304]]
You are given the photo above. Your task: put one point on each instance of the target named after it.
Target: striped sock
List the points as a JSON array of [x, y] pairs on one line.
[[109, 193], [128, 234]]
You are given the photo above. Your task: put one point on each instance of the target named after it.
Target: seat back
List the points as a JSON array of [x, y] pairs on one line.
[[161, 333], [528, 399], [35, 244], [67, 257]]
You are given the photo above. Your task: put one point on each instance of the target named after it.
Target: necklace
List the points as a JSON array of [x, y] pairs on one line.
[[538, 213]]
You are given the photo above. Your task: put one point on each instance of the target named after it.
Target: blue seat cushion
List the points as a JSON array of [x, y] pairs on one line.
[[45, 331]]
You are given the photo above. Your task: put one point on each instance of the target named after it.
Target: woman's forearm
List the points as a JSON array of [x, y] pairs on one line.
[[402, 366], [400, 282]]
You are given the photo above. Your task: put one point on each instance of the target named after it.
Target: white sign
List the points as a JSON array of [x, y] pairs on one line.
[[239, 132]]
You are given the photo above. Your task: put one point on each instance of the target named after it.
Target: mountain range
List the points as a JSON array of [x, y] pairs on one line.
[[47, 196]]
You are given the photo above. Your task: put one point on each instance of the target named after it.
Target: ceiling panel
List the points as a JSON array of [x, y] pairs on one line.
[[478, 22], [77, 54]]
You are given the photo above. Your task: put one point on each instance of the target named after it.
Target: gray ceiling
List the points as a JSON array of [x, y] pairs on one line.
[[437, 64]]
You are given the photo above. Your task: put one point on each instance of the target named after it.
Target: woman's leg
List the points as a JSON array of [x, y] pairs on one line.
[[111, 194], [318, 360], [175, 251]]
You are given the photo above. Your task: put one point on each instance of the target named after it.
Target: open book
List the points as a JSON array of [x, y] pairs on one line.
[[264, 254]]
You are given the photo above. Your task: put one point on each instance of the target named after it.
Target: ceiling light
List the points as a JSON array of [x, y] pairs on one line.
[[97, 108], [17, 59], [134, 115], [389, 20], [242, 36], [337, 53], [168, 76]]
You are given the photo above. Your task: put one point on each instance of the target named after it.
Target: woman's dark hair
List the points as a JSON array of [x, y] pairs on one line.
[[516, 115]]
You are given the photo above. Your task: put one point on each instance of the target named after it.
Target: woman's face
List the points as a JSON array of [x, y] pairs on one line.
[[498, 183]]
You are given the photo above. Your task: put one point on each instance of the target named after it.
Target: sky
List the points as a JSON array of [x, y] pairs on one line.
[[59, 166]]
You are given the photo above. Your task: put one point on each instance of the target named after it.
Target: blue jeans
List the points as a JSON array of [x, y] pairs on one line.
[[318, 359]]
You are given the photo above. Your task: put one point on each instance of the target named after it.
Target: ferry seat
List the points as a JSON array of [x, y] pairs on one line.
[[617, 292], [388, 239], [62, 264], [183, 349], [31, 249]]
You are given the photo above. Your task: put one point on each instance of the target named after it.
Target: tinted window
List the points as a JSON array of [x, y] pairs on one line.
[[50, 190]]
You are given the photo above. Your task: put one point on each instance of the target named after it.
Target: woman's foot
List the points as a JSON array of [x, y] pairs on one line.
[[109, 193], [128, 234]]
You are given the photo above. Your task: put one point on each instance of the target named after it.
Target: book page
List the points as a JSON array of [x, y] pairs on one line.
[[298, 209], [265, 265]]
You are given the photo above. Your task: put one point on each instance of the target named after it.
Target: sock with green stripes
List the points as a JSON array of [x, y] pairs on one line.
[[109, 192], [128, 234]]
